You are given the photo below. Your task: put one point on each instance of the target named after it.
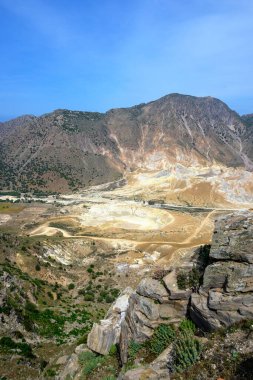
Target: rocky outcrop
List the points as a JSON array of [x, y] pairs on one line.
[[152, 304], [136, 314], [157, 370], [106, 333], [71, 368], [226, 295]]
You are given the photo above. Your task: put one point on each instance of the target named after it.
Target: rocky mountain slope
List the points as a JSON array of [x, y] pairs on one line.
[[66, 150]]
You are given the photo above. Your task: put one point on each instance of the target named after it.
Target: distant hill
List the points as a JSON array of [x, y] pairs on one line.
[[65, 150]]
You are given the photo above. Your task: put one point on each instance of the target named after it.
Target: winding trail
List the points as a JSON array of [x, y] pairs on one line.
[[45, 229]]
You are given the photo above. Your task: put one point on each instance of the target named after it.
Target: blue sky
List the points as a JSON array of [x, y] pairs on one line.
[[100, 54]]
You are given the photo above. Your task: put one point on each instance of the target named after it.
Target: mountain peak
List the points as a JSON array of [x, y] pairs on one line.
[[70, 149]]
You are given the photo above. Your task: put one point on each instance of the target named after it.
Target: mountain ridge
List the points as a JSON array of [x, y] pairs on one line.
[[66, 150]]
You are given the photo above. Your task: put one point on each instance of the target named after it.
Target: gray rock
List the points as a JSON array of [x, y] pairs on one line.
[[233, 239], [226, 296], [232, 275], [62, 360], [246, 311], [157, 370], [161, 362], [174, 311], [227, 318], [71, 368], [140, 373], [81, 348], [227, 302], [201, 314], [106, 333], [146, 306], [215, 275], [148, 287], [175, 293]]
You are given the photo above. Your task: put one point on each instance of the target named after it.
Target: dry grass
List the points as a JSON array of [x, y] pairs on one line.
[[11, 208]]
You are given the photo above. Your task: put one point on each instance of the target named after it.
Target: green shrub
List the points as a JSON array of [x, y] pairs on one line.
[[90, 362], [182, 280], [31, 307], [50, 295], [71, 286], [37, 267], [133, 349], [86, 356], [189, 279], [109, 299], [187, 325], [7, 345], [89, 297], [50, 372], [194, 278], [161, 339], [113, 350], [186, 351]]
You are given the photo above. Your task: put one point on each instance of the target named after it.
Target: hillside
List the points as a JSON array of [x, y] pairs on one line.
[[66, 150]]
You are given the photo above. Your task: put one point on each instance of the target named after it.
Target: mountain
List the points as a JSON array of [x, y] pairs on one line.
[[248, 136], [248, 120], [65, 150]]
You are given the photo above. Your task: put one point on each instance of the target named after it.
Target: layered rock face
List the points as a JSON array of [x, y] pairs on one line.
[[69, 149], [107, 333], [135, 314], [226, 295]]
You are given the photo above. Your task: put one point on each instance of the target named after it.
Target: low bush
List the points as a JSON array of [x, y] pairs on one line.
[[191, 279], [8, 345], [186, 351], [133, 350], [187, 325], [89, 297], [90, 361], [161, 339]]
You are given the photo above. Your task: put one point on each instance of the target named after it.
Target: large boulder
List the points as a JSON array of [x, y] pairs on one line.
[[103, 335], [233, 238], [201, 314], [232, 275], [226, 296], [107, 332], [151, 288]]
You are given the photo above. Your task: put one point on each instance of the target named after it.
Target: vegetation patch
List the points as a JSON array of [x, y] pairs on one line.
[[11, 208], [99, 367], [161, 339], [8, 345]]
